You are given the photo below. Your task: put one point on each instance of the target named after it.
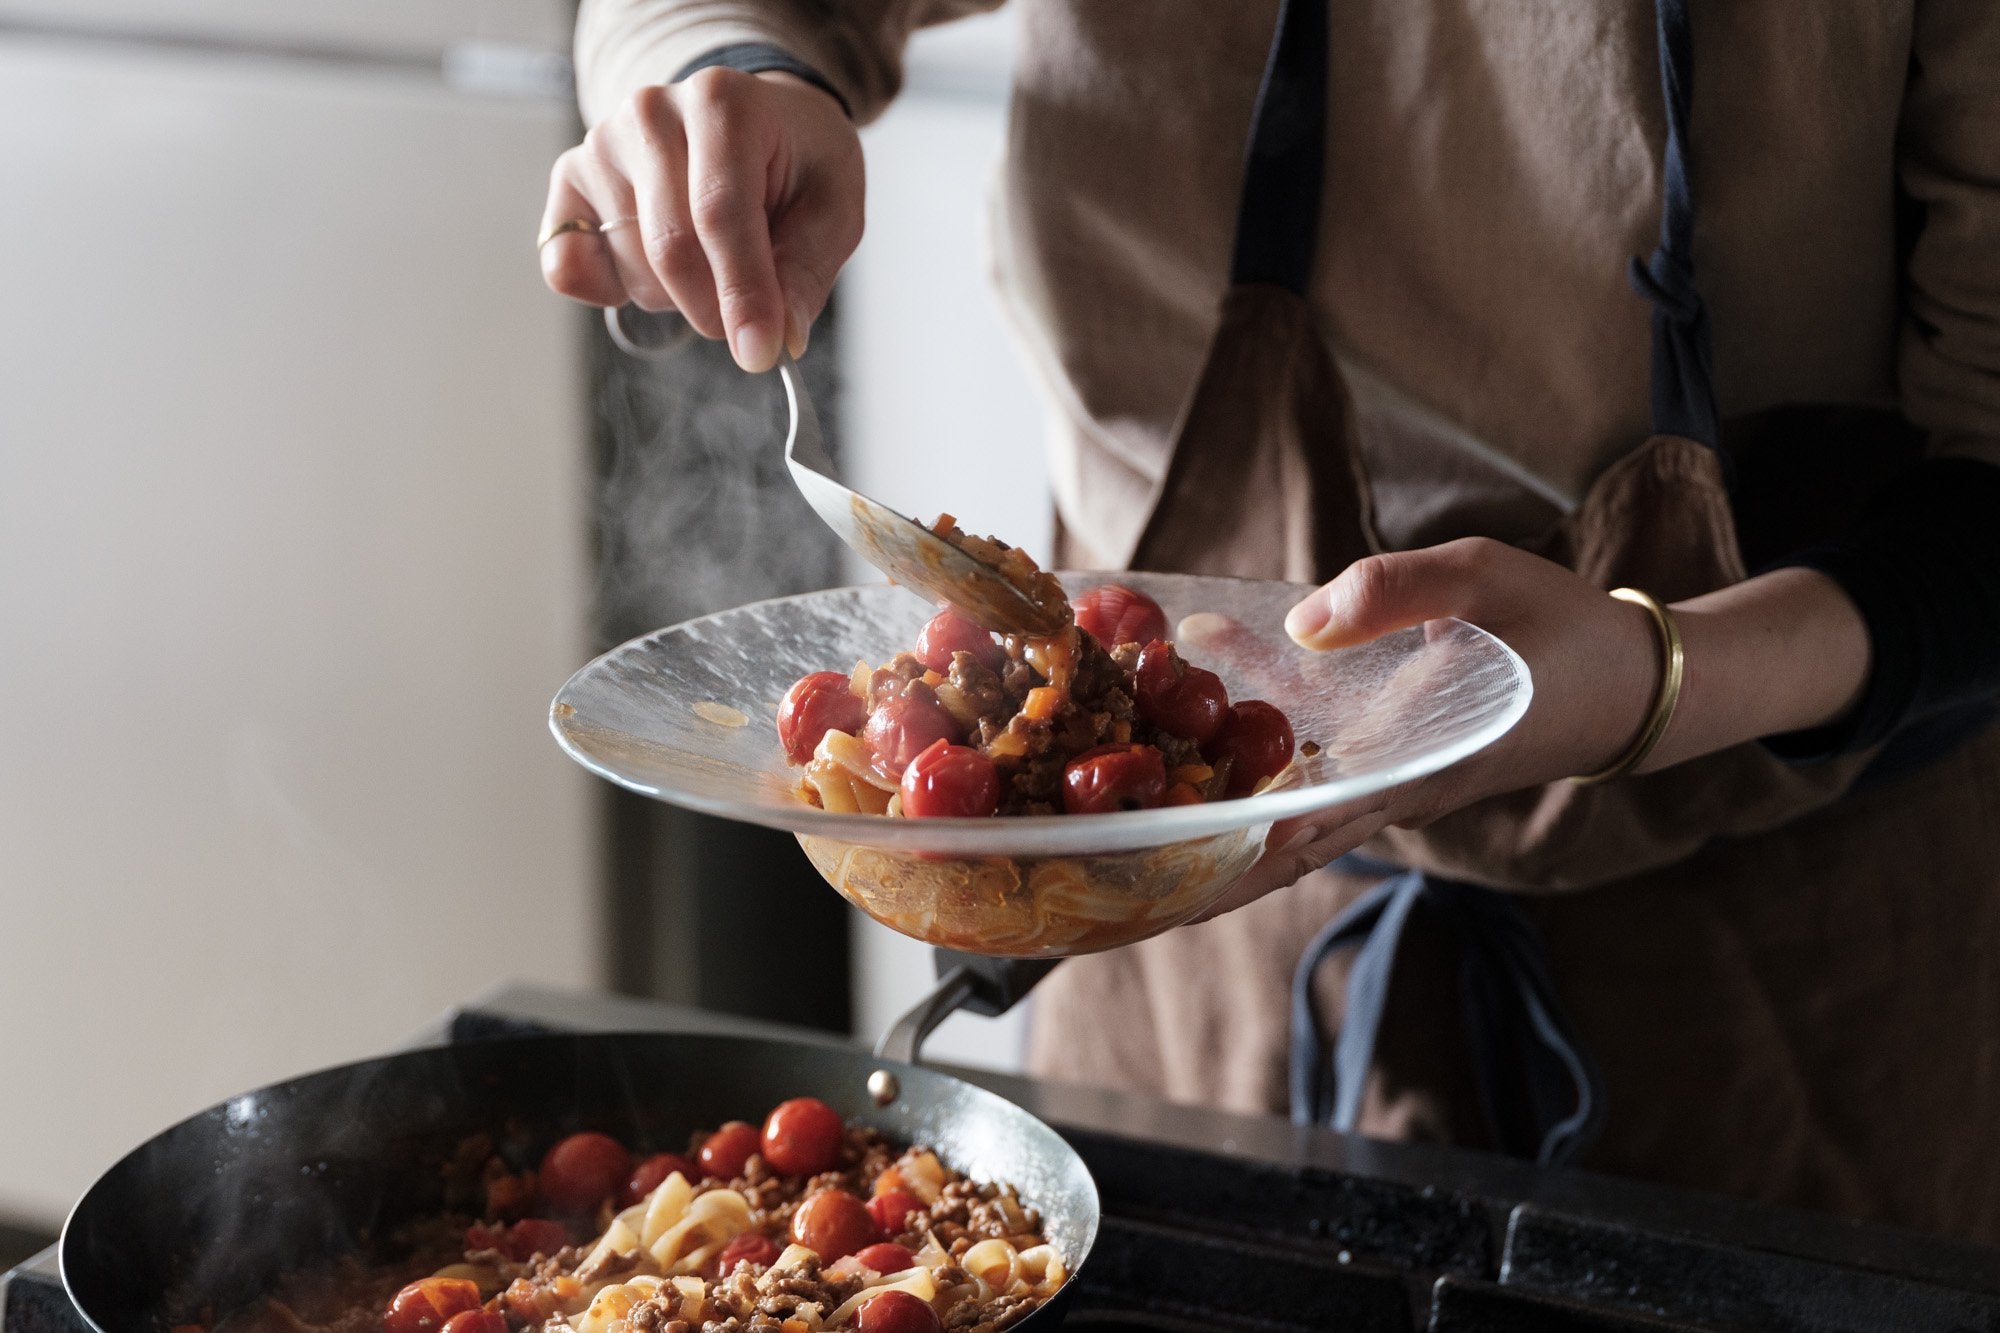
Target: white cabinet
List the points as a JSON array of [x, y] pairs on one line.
[[292, 557]]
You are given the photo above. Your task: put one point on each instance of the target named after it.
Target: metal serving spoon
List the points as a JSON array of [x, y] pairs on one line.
[[902, 548]]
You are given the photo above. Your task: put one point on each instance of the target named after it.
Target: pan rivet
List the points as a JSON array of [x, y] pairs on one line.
[[883, 1088]]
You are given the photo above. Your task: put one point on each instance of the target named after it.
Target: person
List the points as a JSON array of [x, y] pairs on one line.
[[1338, 291]]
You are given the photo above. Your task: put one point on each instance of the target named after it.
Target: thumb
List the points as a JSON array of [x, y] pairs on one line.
[[1384, 593]]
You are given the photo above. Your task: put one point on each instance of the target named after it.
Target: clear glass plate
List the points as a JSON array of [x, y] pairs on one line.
[[658, 715]]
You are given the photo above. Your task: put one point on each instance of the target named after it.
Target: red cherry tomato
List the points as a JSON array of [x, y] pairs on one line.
[[802, 1137], [885, 1258], [647, 1176], [897, 1312], [833, 1224], [904, 725], [1179, 698], [425, 1305], [476, 1321], [892, 1208], [583, 1171], [724, 1153], [948, 632], [749, 1247], [1114, 777], [817, 704], [1115, 614], [1257, 740], [949, 780]]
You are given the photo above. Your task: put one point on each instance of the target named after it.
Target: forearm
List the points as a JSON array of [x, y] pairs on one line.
[[1785, 651]]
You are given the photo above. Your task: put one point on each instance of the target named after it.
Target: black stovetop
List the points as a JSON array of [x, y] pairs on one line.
[[1217, 1221]]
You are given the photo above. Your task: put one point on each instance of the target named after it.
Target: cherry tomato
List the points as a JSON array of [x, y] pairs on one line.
[[746, 1248], [724, 1153], [897, 1312], [886, 1257], [476, 1321], [1179, 698], [425, 1305], [949, 780], [802, 1137], [1115, 614], [948, 632], [647, 1176], [1257, 740], [892, 1208], [817, 704], [1114, 777], [833, 1224], [583, 1171], [904, 725], [520, 1242]]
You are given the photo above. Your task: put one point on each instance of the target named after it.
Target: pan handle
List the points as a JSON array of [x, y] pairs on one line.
[[968, 981]]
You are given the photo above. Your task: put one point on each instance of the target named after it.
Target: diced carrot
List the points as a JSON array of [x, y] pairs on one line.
[[933, 679], [1182, 793], [890, 1179], [795, 1326], [1192, 774], [1042, 704], [1121, 732]]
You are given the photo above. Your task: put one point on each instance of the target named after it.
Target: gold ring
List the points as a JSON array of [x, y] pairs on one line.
[[563, 228], [1673, 672]]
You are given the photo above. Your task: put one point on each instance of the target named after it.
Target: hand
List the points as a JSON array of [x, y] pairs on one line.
[[745, 192], [1595, 662], [1780, 652]]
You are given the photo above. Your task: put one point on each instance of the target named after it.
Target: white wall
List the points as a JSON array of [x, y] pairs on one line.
[[291, 560], [938, 410]]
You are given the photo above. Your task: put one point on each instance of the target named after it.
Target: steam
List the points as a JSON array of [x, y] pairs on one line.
[[696, 511]]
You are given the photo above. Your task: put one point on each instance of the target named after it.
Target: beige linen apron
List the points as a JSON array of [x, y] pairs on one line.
[[1755, 988]]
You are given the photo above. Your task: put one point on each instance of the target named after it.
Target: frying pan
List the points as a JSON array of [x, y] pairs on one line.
[[214, 1211]]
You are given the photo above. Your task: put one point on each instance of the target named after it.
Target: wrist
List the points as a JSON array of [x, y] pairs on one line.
[[1781, 652]]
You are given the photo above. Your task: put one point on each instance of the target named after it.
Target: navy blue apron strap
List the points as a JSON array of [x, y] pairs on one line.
[[1538, 1087], [1277, 220], [1683, 364], [1326, 1085], [1539, 1090]]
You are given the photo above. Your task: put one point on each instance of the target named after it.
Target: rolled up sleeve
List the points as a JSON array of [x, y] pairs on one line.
[[625, 45]]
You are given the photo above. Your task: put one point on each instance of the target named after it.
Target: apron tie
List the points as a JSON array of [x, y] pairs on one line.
[[1539, 1090]]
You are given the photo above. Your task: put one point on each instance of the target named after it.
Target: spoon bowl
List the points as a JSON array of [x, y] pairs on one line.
[[902, 548]]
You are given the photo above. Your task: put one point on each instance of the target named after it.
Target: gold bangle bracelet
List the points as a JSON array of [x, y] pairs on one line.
[[1673, 670]]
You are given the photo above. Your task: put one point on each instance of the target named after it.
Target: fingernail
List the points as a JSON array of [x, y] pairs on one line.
[[1305, 621], [756, 347], [1301, 839]]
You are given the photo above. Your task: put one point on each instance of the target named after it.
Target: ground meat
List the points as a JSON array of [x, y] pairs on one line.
[[980, 686], [972, 1316], [892, 677]]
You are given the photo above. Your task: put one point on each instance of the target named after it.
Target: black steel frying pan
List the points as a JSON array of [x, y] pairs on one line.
[[213, 1211]]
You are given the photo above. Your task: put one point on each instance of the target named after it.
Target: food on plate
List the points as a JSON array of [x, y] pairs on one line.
[[851, 1232], [1101, 716]]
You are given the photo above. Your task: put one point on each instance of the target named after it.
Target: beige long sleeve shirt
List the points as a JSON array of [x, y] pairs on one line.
[[1491, 166]]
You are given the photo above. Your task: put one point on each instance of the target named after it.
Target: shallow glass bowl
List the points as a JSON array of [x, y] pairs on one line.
[[687, 714]]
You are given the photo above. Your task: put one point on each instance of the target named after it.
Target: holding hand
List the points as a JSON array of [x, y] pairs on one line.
[[1779, 652], [733, 198]]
